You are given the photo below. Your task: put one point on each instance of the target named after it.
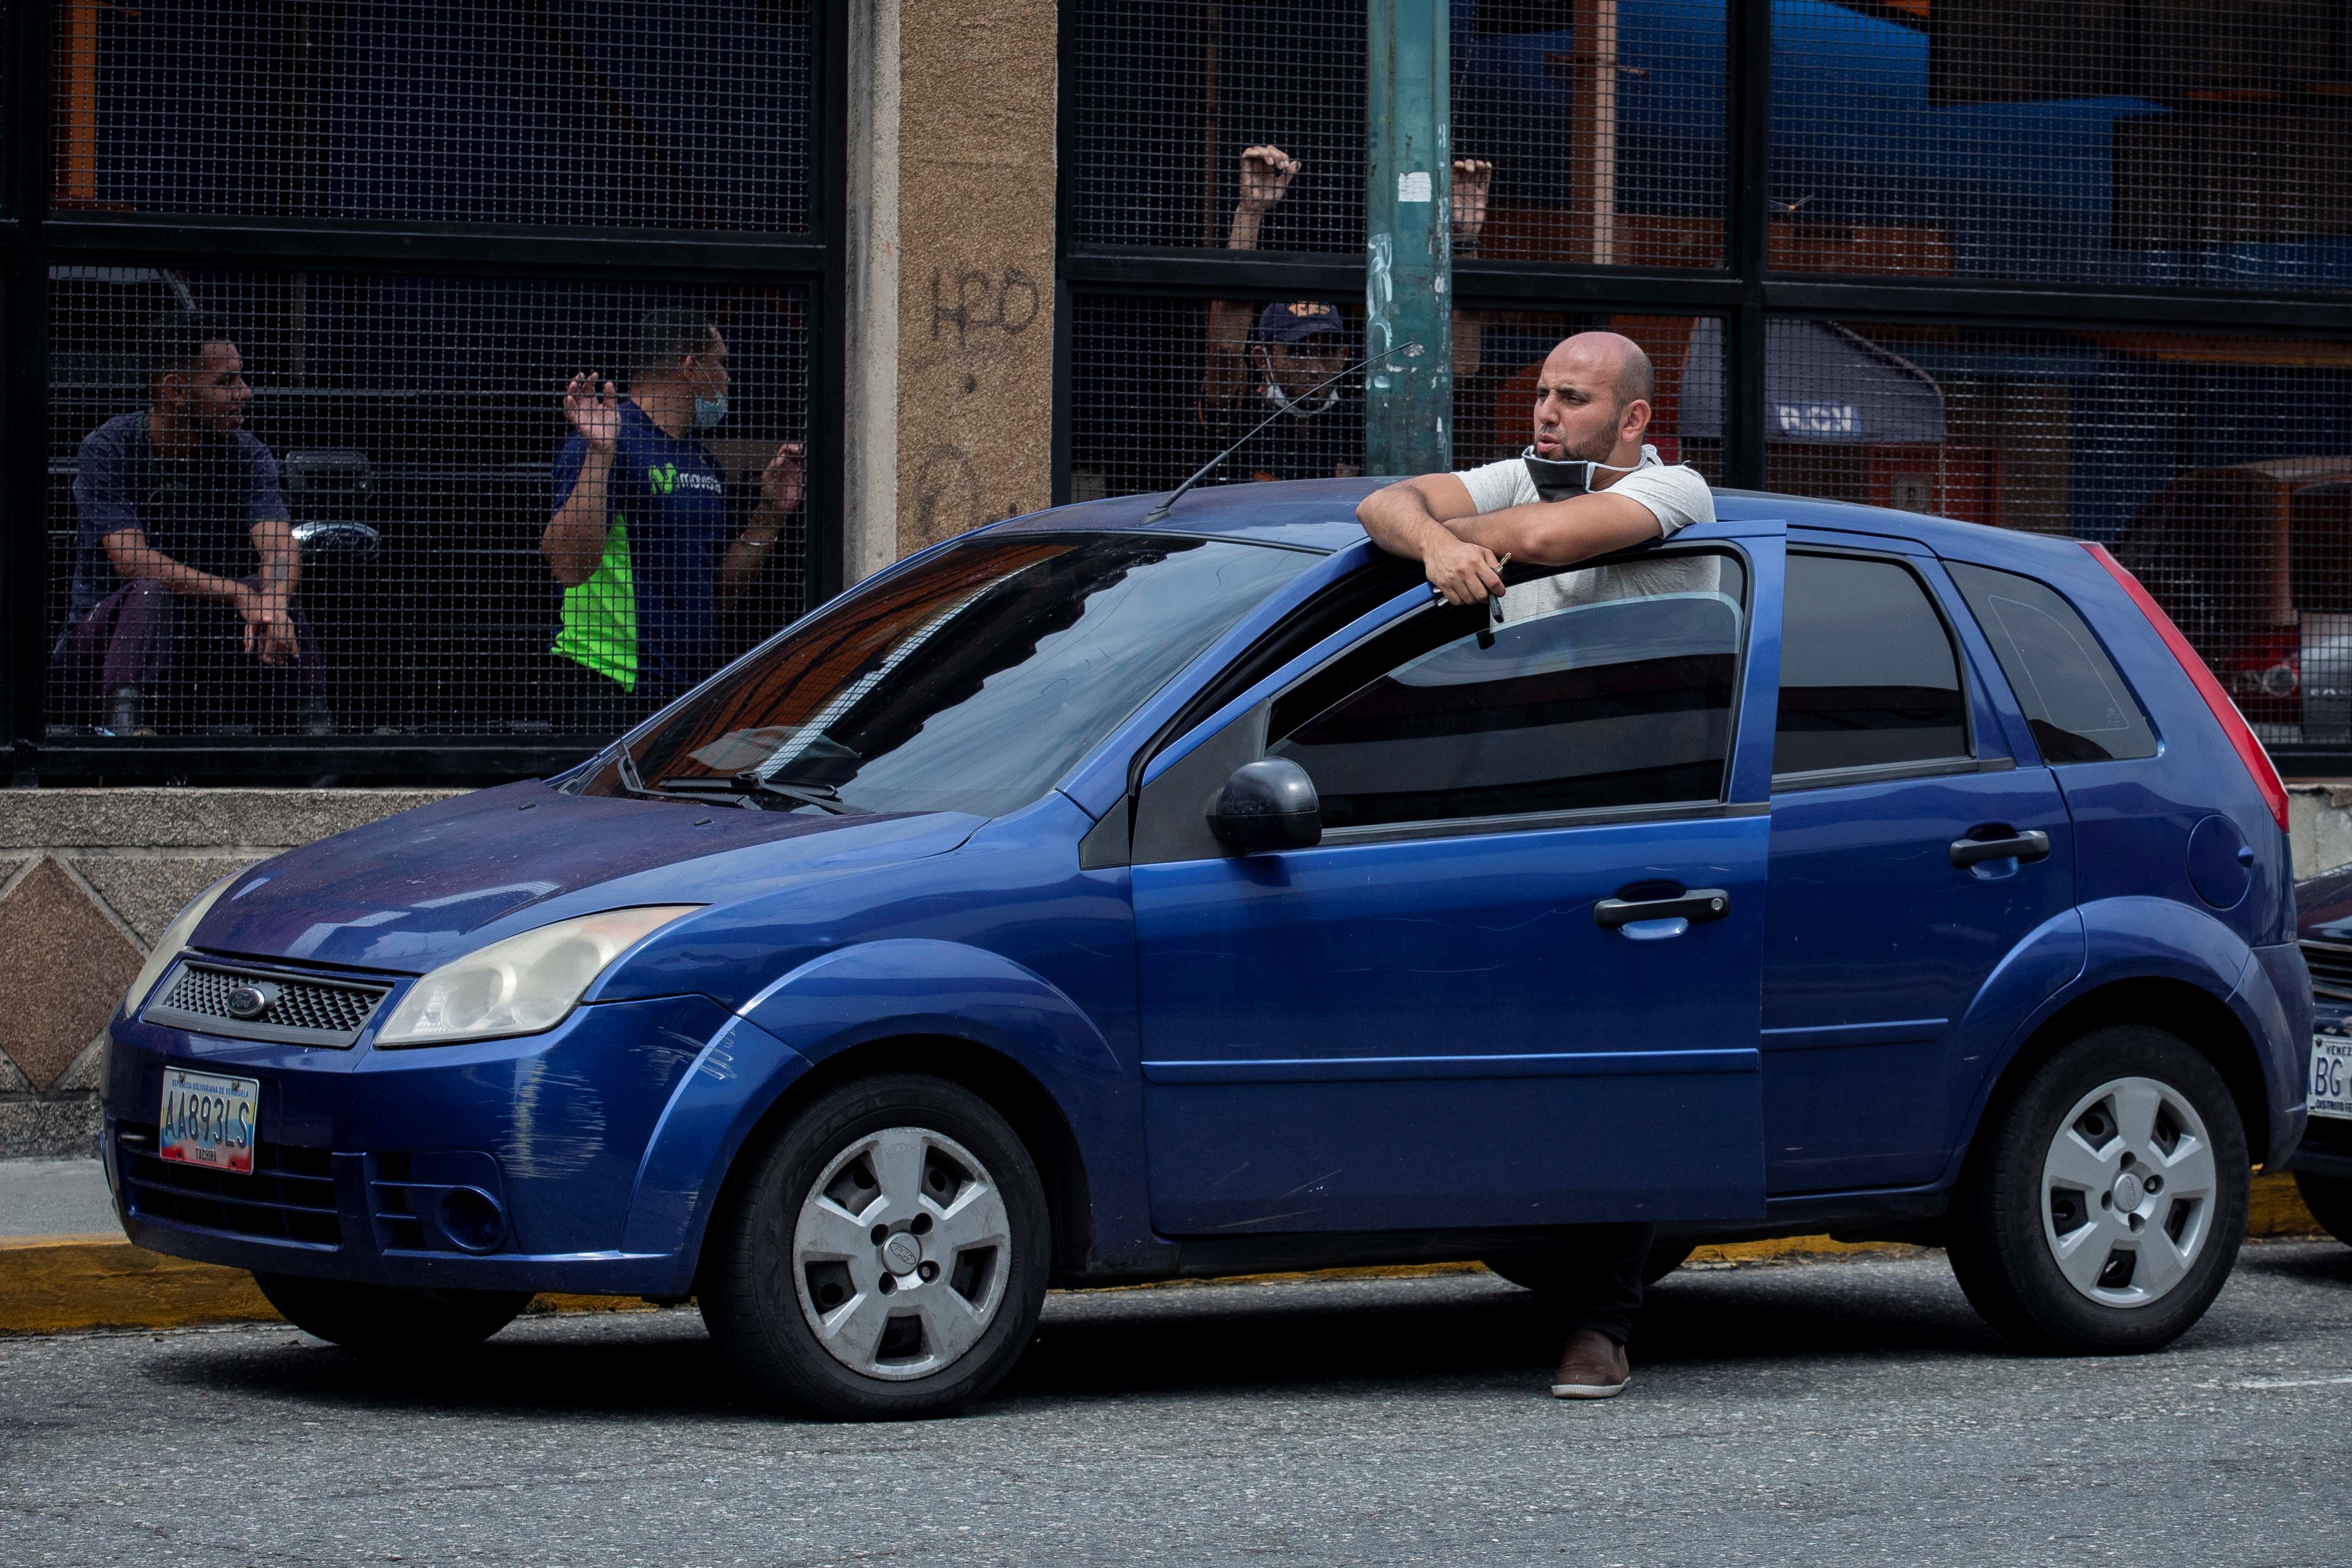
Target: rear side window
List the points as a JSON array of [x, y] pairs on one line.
[[1868, 677], [2075, 701]]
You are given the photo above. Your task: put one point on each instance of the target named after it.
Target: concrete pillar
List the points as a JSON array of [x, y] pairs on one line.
[[975, 174], [870, 518], [1408, 238]]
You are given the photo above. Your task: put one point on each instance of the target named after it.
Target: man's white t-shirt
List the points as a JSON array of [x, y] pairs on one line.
[[1678, 496]]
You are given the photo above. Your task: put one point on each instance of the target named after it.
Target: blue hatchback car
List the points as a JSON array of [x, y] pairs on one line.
[[1090, 900]]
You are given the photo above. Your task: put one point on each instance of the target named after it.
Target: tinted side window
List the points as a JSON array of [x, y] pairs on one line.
[[1867, 673], [1607, 686], [2075, 701]]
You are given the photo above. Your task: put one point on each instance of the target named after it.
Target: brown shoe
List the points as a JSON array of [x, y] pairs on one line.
[[1592, 1367]]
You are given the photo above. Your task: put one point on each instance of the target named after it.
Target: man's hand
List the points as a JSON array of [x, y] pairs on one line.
[[1465, 573], [1266, 174], [268, 628], [1473, 179], [596, 415], [784, 480]]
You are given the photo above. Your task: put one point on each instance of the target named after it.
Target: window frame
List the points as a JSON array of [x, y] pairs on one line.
[[1972, 762], [1255, 717]]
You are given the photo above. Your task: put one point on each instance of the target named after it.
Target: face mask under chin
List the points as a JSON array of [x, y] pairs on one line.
[[709, 411]]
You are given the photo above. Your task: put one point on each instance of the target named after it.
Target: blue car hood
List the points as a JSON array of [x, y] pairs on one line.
[[407, 893]]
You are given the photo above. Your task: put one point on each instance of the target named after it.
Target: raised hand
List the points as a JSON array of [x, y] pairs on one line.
[[785, 480], [1266, 174], [1472, 178], [596, 415]]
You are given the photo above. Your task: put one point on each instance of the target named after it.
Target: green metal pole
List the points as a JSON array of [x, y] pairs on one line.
[[1409, 240]]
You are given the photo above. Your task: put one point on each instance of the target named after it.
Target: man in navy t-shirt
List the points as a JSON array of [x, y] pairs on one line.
[[184, 552], [639, 537]]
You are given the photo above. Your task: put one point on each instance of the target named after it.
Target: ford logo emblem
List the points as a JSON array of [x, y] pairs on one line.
[[251, 1000]]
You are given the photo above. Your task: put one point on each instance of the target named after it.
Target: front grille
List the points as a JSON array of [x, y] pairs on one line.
[[301, 1010], [288, 1196]]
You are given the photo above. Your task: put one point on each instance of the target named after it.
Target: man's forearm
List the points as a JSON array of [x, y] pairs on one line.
[[1398, 520], [748, 556], [573, 542], [145, 562], [1557, 534]]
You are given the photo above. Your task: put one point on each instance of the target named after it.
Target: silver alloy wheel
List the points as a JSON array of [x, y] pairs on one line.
[[2127, 1192], [900, 1252]]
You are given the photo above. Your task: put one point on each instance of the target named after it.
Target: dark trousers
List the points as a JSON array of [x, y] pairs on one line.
[[1603, 1279], [144, 635]]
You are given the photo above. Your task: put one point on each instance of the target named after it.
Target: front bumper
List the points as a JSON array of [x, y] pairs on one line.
[[360, 1151]]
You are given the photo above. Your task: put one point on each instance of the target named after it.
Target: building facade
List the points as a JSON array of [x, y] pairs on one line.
[[2080, 267]]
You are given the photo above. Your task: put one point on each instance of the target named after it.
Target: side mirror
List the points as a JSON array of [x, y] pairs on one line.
[[1268, 805]]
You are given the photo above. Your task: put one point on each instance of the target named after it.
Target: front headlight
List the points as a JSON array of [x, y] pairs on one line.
[[175, 937], [522, 984]]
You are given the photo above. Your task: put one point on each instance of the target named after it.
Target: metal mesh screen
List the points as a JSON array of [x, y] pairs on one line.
[[2218, 468], [1157, 386], [1603, 120], [1168, 94], [408, 431], [1608, 151], [661, 114], [2158, 142]]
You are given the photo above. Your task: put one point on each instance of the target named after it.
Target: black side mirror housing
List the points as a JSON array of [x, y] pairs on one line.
[[1270, 804]]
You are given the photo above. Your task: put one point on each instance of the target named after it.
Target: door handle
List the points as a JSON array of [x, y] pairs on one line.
[[2031, 844], [1699, 904]]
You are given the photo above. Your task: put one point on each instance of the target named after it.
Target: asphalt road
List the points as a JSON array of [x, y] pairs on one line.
[[1817, 1414]]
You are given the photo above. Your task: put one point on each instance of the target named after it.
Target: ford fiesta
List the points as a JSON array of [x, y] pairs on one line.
[[1096, 899]]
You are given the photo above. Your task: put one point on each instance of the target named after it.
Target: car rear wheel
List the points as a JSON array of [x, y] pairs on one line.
[[2104, 1200], [1549, 1273], [884, 1256], [2329, 1199], [377, 1320]]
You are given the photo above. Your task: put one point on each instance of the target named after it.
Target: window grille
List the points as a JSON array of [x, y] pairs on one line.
[[2162, 144], [2215, 466], [407, 429], [678, 114]]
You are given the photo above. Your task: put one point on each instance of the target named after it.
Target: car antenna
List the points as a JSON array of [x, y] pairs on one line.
[[1157, 513]]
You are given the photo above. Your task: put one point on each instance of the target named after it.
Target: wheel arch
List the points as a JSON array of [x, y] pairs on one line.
[[2203, 1021], [1008, 1086]]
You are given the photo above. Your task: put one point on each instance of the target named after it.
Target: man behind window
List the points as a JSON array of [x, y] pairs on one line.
[[185, 552], [639, 537], [1589, 485], [1278, 359]]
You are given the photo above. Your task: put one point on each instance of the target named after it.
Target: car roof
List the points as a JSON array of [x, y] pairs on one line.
[[1320, 514]]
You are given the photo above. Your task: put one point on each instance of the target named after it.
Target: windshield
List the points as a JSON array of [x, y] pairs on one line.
[[970, 683]]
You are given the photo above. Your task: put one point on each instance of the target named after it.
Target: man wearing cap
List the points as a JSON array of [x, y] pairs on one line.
[[1279, 359], [1587, 486]]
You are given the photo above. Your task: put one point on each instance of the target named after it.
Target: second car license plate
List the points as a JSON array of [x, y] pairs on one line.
[[210, 1121], [2331, 1076]]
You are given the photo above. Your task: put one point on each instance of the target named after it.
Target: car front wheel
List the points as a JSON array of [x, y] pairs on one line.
[[2104, 1201], [884, 1256]]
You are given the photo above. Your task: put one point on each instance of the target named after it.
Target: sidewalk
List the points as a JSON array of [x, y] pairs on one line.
[[65, 1264]]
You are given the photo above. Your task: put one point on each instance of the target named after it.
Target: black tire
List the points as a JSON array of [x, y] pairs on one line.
[[2329, 1199], [377, 1320], [2006, 1231], [762, 1302], [1548, 1273]]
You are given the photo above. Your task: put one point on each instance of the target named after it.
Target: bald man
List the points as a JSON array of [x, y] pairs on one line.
[[1589, 485]]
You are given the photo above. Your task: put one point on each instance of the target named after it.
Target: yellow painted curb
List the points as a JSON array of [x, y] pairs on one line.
[[63, 1284]]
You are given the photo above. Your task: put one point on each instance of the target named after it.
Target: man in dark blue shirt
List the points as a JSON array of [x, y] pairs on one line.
[[185, 546], [639, 537]]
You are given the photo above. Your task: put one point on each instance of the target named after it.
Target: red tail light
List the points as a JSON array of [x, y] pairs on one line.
[[2233, 723]]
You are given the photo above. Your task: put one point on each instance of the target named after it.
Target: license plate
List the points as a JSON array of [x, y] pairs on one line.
[[2331, 1076], [209, 1120]]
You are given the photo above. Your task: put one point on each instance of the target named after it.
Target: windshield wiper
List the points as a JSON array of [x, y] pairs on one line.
[[750, 786]]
